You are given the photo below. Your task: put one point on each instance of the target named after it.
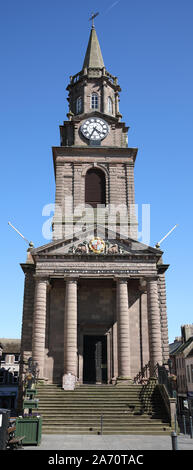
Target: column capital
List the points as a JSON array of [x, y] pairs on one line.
[[72, 280], [152, 278], [121, 280], [43, 279], [142, 284], [39, 277]]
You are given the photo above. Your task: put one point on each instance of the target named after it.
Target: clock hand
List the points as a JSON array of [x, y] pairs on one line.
[[94, 129]]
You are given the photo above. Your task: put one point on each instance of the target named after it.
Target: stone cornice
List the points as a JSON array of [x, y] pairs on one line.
[[83, 154], [93, 258], [94, 152], [162, 268], [110, 118], [27, 267]]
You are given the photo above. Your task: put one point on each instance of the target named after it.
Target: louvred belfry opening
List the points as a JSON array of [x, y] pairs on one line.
[[95, 192]]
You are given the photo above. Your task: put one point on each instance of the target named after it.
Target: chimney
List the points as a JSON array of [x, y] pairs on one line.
[[187, 332]]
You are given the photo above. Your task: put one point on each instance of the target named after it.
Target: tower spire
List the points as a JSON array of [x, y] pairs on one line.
[[93, 57]]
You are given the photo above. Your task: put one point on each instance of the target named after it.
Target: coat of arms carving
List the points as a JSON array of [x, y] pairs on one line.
[[97, 245]]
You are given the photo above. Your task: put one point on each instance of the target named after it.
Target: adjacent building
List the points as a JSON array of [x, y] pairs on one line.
[[9, 372], [181, 354]]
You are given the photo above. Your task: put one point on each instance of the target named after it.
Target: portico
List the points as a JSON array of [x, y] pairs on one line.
[[97, 303]]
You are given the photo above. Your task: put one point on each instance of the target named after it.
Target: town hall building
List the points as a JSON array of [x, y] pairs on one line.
[[94, 309]]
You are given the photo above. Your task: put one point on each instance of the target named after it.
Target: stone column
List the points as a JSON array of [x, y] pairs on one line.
[[104, 102], [123, 330], [26, 335], [28, 309], [39, 324], [116, 103], [115, 354], [83, 110], [163, 316], [70, 335], [155, 343]]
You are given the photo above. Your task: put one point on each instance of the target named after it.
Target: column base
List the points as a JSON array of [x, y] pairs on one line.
[[42, 380], [153, 380], [124, 381], [68, 381]]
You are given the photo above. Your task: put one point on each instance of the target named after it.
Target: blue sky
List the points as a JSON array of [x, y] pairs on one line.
[[148, 45]]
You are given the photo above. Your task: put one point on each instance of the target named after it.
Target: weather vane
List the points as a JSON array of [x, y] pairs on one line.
[[93, 16]]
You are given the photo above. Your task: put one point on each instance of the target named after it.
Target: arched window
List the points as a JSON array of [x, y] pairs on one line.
[[110, 105], [79, 105], [94, 101], [95, 191]]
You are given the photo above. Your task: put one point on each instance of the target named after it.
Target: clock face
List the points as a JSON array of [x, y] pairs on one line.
[[95, 129]]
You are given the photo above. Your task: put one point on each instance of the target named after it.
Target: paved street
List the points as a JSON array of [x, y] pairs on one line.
[[112, 442]]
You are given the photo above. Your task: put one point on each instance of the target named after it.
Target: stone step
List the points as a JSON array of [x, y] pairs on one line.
[[87, 406], [91, 397], [90, 391], [155, 424], [94, 390], [149, 432], [95, 431], [90, 394], [94, 398], [97, 412], [99, 409], [63, 400], [92, 386], [105, 426], [111, 421], [83, 418], [79, 411], [97, 403], [92, 402]]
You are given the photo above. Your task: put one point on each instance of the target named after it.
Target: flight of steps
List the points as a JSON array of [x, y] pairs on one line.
[[124, 409]]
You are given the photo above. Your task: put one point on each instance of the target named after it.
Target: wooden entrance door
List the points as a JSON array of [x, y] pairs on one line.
[[95, 359]]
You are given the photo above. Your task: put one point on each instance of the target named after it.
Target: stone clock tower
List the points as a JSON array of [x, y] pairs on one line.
[[94, 301]]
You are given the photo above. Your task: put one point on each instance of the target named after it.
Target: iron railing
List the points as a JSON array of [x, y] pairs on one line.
[[161, 373]]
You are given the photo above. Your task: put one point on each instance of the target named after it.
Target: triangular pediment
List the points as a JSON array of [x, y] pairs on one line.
[[110, 119], [95, 240]]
